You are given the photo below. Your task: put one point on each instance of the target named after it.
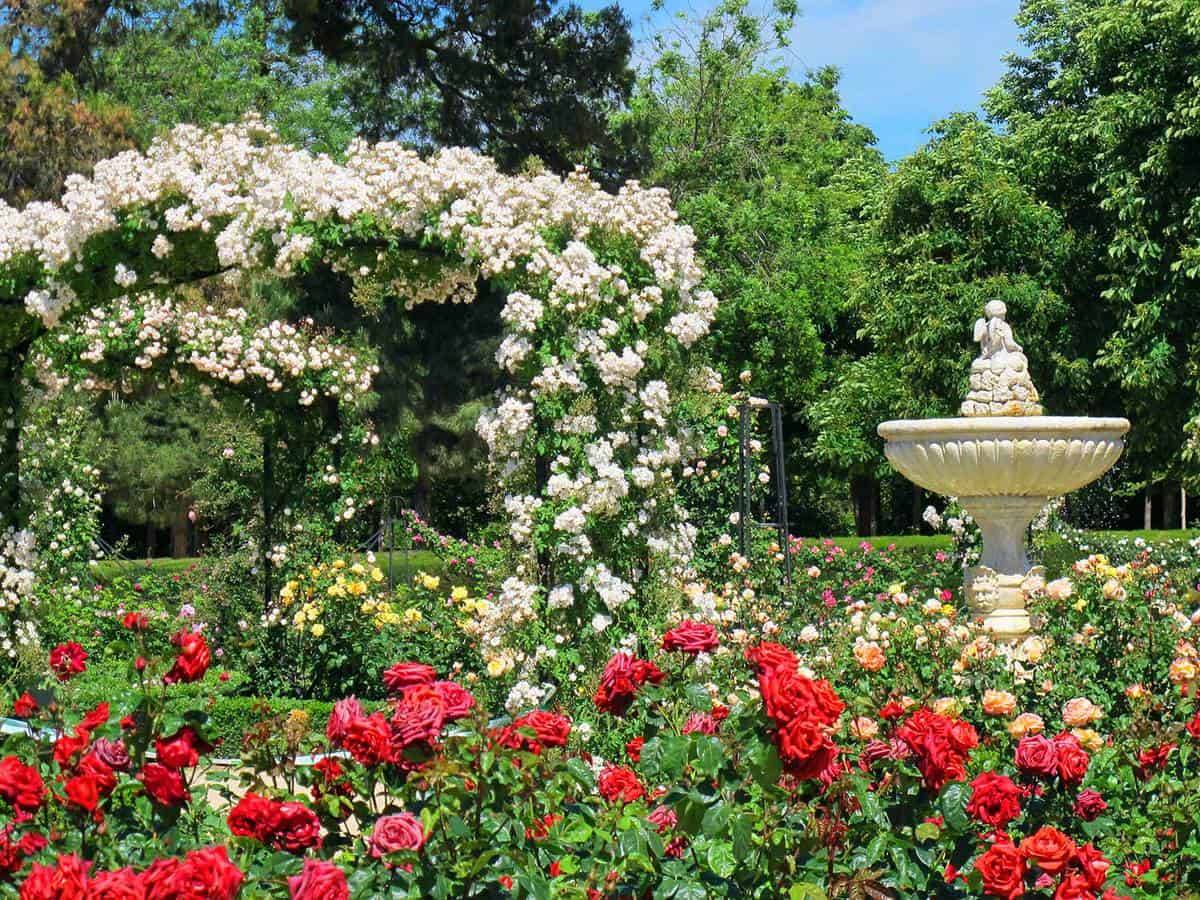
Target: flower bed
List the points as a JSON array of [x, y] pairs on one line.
[[877, 747]]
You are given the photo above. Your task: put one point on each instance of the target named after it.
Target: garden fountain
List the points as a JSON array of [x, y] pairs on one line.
[[1003, 460]]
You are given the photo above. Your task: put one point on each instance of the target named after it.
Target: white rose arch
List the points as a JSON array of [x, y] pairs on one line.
[[603, 304]]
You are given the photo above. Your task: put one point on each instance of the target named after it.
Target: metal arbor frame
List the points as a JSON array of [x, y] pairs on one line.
[[779, 515]]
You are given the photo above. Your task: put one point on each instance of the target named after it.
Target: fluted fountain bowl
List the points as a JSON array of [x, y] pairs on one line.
[[1003, 470], [1004, 456]]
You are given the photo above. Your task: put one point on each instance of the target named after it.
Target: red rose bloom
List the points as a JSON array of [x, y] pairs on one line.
[[787, 694], [995, 799], [368, 740], [181, 750], [418, 717], [1049, 848], [68, 660], [891, 710], [1092, 865], [193, 660], [620, 783], [402, 831], [83, 793], [165, 786], [1193, 725], [940, 745], [67, 880], [550, 729], [634, 748], [456, 699], [135, 621], [297, 828], [805, 748], [1153, 758], [1072, 759], [123, 884], [206, 873], [25, 706], [1002, 868], [691, 637], [406, 674], [319, 880], [620, 680], [770, 656], [21, 785], [1089, 805], [253, 816], [1037, 755], [344, 712]]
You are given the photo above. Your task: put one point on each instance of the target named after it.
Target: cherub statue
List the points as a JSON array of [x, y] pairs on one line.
[[993, 333], [1000, 382]]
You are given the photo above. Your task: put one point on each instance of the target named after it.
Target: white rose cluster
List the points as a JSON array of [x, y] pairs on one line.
[[603, 302]]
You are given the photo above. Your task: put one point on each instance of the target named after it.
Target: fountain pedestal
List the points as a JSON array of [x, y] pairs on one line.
[[995, 588]]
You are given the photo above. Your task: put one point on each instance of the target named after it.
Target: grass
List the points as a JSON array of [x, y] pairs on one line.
[[406, 564]]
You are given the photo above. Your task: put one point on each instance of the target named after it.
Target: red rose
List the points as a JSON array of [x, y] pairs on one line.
[[634, 748], [123, 884], [112, 753], [165, 786], [644, 670], [254, 816], [94, 719], [319, 880], [406, 674], [1002, 868], [1037, 755], [25, 706], [691, 637], [1193, 725], [1092, 865], [620, 783], [787, 694], [1049, 848], [1089, 805], [206, 873], [193, 660], [619, 683], [1073, 760], [418, 717], [891, 710], [21, 785], [135, 621], [701, 723], [83, 793], [456, 699], [96, 768], [344, 712], [181, 750], [995, 799], [67, 880], [368, 740], [770, 657], [663, 818], [1153, 758], [805, 748], [1074, 886], [296, 828], [940, 745], [402, 831], [550, 729], [68, 660]]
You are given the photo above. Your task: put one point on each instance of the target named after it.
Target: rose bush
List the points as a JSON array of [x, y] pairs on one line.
[[769, 763]]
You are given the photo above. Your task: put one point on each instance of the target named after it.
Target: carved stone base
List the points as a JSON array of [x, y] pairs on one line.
[[1000, 600]]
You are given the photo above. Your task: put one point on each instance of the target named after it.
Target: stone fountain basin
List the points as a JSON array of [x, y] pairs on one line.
[[1004, 456]]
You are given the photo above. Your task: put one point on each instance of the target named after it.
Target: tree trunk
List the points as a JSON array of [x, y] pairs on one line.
[[10, 434], [1170, 506], [918, 507], [864, 497], [151, 540], [1147, 509], [179, 535]]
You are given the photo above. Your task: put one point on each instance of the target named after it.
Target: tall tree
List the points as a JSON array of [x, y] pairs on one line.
[[773, 175], [514, 78], [1102, 110]]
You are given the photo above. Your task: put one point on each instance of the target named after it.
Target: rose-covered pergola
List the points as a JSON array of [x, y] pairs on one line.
[[603, 303]]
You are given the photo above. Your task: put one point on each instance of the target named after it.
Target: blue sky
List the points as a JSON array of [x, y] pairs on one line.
[[904, 63]]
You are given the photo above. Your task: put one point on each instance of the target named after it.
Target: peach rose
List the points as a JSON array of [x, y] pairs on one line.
[[1026, 723], [869, 655], [1183, 670], [998, 703], [1060, 589], [1113, 590], [947, 706], [1080, 712], [1090, 739], [864, 728]]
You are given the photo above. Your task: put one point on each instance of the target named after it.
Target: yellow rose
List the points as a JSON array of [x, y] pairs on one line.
[[412, 616], [429, 582], [998, 703], [317, 630], [377, 574], [495, 668], [459, 594], [1089, 738], [339, 564]]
